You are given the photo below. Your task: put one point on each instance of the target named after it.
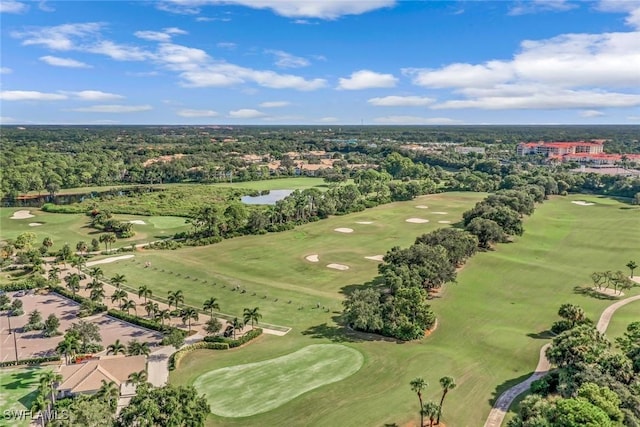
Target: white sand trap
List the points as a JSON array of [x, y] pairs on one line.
[[137, 222], [417, 220], [582, 203], [312, 258], [444, 222], [344, 230], [422, 207], [635, 279], [21, 215], [364, 222], [440, 213], [609, 292], [35, 224], [338, 266], [375, 257], [109, 260]]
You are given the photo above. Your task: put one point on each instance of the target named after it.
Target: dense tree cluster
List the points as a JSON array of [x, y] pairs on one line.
[[595, 384]]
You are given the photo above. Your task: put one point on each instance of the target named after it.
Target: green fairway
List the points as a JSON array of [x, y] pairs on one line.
[[244, 390], [17, 391], [621, 319], [490, 323], [71, 228]]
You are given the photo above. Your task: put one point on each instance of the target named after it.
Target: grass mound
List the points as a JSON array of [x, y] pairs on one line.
[[254, 388]]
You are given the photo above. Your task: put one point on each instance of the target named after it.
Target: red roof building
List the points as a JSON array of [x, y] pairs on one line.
[[559, 148]]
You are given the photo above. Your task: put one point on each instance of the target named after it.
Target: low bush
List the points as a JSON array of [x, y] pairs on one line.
[[145, 323], [34, 361], [252, 334], [87, 307], [175, 358]]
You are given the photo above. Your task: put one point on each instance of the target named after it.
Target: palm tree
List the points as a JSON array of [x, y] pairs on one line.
[[40, 404], [97, 294], [151, 307], [118, 280], [145, 292], [54, 274], [188, 314], [237, 326], [211, 304], [128, 305], [136, 348], [78, 262], [96, 272], [109, 392], [417, 385], [73, 282], [115, 348], [82, 247], [631, 265], [175, 297], [162, 315], [251, 315], [48, 379], [137, 377], [119, 295], [93, 284], [67, 347], [431, 410], [447, 383]]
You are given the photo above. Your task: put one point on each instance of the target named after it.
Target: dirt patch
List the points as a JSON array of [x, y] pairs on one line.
[[582, 203], [341, 267], [444, 222], [35, 224], [364, 222], [312, 258], [609, 292], [162, 159], [440, 213], [375, 257], [22, 215], [137, 222], [422, 207], [109, 260], [417, 220], [343, 230]]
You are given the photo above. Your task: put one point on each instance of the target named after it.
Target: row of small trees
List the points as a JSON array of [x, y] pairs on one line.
[[432, 410]]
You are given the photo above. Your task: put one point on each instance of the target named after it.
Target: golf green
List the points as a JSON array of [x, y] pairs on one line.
[[254, 388]]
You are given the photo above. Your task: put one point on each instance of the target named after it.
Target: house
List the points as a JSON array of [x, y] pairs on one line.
[[86, 378], [560, 148]]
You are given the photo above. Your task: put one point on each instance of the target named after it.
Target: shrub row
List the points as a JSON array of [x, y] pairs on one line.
[[145, 323], [21, 285], [252, 334], [88, 305], [175, 358], [34, 361]]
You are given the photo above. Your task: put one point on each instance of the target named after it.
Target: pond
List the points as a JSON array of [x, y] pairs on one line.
[[267, 199]]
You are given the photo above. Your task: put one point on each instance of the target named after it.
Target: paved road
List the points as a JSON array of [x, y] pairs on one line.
[[504, 401], [158, 362]]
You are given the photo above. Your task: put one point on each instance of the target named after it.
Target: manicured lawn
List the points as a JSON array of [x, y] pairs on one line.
[[254, 388], [71, 228], [621, 319], [17, 391]]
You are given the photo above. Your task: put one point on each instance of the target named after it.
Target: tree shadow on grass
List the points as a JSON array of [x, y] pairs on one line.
[[590, 292], [544, 335], [506, 386], [340, 333]]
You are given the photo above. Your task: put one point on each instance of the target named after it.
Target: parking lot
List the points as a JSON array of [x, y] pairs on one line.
[[34, 344]]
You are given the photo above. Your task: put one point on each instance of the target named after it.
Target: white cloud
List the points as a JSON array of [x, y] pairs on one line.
[[159, 36], [94, 95], [366, 79], [43, 6], [60, 37], [197, 113], [6, 120], [113, 108], [226, 45], [5, 70], [63, 62], [287, 60], [415, 120], [181, 58], [461, 75], [119, 52], [142, 73], [274, 104], [591, 113], [632, 8], [12, 6], [30, 95], [328, 119], [246, 113], [535, 6], [633, 118], [322, 9], [401, 101]]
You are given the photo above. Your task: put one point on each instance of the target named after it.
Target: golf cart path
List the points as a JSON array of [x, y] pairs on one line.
[[500, 408]]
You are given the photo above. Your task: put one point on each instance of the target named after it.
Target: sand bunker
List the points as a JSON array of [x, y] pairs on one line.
[[138, 222], [21, 215], [422, 207], [444, 222], [375, 257], [312, 258], [417, 220], [34, 224], [582, 203], [109, 260], [364, 222], [344, 230], [440, 213], [609, 292], [338, 266]]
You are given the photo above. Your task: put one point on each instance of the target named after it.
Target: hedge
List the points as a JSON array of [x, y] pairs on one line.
[[34, 361], [145, 323], [23, 285], [175, 358], [97, 307], [254, 333]]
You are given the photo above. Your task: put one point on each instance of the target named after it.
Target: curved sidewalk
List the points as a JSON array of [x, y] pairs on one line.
[[504, 401]]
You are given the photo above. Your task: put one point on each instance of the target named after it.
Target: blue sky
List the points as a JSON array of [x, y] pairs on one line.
[[320, 62]]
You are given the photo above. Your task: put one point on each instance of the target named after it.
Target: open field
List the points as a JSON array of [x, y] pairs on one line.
[[298, 183], [17, 392], [491, 323], [272, 269], [621, 319], [71, 228], [254, 388]]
